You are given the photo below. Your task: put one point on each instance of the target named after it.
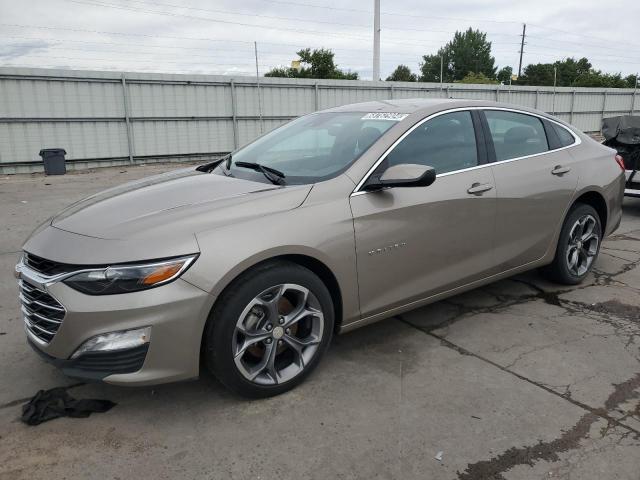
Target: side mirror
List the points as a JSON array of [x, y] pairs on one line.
[[403, 175]]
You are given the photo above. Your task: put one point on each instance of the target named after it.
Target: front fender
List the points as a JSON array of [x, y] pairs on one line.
[[322, 231]]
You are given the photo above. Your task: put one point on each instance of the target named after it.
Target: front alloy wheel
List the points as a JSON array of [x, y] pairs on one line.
[[277, 334], [269, 329]]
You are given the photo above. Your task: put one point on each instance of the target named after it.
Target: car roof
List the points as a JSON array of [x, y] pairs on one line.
[[407, 105], [427, 106]]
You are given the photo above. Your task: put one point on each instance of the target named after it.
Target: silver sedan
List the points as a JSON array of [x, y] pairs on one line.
[[250, 264]]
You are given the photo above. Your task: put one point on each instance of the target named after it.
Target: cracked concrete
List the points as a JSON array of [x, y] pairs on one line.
[[520, 379]]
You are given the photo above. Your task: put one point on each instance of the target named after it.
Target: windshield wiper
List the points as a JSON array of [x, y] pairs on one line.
[[274, 176], [208, 167]]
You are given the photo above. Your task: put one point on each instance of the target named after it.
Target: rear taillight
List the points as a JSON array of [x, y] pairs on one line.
[[620, 161]]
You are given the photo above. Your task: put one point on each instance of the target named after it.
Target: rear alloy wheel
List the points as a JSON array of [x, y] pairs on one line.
[[269, 329], [578, 246], [583, 245]]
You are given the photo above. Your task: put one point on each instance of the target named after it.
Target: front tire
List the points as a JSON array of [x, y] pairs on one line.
[[269, 329], [578, 246]]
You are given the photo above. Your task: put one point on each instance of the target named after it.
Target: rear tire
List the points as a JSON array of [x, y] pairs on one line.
[[578, 246], [269, 329]]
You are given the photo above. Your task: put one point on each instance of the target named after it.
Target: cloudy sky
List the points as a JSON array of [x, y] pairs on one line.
[[216, 36]]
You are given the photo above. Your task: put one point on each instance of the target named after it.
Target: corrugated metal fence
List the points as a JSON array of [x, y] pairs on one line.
[[109, 118]]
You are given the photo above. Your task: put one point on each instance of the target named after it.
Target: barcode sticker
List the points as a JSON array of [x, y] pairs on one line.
[[385, 116]]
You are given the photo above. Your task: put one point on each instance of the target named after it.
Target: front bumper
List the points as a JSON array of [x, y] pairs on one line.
[[176, 312], [98, 365]]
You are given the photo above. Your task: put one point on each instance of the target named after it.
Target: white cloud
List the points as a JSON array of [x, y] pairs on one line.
[[202, 36]]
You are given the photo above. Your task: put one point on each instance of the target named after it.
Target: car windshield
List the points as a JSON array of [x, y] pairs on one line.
[[312, 148]]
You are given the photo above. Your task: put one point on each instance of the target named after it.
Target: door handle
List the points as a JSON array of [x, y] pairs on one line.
[[560, 170], [479, 188]]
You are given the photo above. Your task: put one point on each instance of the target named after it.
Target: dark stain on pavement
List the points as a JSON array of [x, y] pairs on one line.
[[569, 440], [619, 309]]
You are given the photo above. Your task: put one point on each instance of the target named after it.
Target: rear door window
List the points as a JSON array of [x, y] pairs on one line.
[[515, 134]]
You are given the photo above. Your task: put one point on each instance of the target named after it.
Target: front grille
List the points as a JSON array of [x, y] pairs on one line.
[[47, 267], [42, 313]]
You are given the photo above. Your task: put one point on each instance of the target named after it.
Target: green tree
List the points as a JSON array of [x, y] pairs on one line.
[[568, 71], [504, 75], [595, 78], [314, 64], [573, 73], [631, 80], [477, 78], [430, 68], [402, 73], [468, 51]]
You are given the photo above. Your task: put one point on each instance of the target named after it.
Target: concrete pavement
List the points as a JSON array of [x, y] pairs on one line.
[[521, 379]]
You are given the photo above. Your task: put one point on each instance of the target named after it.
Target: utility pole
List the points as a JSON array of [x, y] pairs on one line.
[[376, 40], [633, 100], [524, 32], [255, 49], [555, 79], [441, 70]]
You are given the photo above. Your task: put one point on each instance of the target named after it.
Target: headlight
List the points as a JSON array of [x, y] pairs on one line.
[[129, 278]]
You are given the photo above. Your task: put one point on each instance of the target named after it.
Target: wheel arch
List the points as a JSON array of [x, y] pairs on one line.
[[591, 197], [304, 259], [596, 200]]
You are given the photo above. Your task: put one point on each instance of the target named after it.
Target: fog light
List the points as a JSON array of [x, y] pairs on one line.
[[115, 341]]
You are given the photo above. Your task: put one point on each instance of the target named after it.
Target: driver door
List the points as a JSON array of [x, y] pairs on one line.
[[415, 242]]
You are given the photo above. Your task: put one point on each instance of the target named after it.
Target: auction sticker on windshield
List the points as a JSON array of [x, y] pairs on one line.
[[385, 116]]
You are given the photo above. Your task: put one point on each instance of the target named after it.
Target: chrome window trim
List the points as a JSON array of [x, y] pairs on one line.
[[578, 141]]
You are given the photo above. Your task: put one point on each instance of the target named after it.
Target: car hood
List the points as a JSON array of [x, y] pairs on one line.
[[184, 201]]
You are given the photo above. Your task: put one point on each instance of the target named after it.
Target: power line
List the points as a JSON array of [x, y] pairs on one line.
[[136, 60], [298, 19], [167, 37], [398, 14], [98, 3], [583, 54], [264, 52], [570, 42], [601, 59], [607, 40]]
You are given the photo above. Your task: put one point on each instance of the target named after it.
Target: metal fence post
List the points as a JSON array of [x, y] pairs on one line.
[[604, 106], [537, 98], [317, 96], [391, 91], [234, 114], [497, 93], [573, 101], [633, 99], [125, 100]]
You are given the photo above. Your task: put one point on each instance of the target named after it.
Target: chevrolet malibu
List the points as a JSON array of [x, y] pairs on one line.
[[248, 265]]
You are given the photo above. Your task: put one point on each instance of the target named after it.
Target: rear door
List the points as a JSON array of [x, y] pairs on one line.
[[535, 178], [415, 242]]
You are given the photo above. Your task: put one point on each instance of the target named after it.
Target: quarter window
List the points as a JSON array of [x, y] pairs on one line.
[[446, 143], [564, 136], [516, 134]]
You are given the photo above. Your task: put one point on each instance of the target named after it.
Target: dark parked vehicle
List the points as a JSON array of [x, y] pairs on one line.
[[623, 134]]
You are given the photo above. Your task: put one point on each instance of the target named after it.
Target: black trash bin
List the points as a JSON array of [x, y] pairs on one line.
[[54, 163]]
